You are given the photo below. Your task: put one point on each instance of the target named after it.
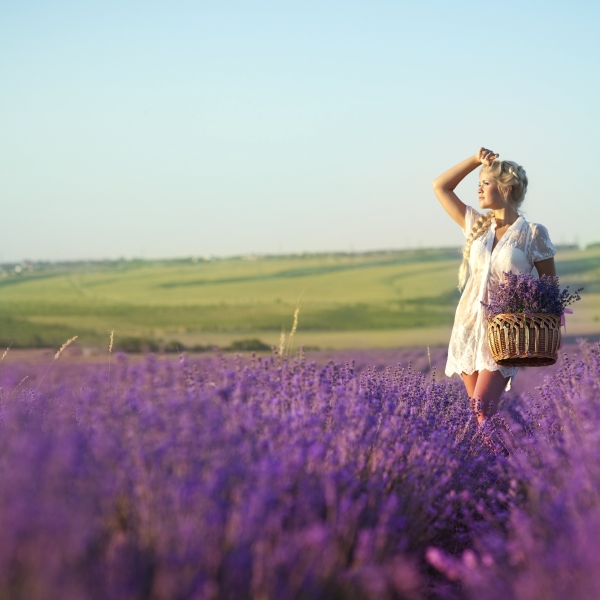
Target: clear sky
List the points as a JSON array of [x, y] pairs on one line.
[[162, 129]]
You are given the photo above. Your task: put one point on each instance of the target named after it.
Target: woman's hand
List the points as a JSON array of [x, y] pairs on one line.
[[486, 157], [445, 184]]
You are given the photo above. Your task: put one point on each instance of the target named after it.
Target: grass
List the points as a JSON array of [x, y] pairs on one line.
[[360, 300]]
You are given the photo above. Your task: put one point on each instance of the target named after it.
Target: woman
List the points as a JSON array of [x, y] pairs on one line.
[[496, 242]]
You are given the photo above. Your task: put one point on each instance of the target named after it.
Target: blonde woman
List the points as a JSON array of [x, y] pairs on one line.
[[497, 241]]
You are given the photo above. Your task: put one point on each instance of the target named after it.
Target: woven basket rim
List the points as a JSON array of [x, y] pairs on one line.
[[524, 315]]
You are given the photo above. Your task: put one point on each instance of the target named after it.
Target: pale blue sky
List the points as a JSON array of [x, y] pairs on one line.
[[160, 129]]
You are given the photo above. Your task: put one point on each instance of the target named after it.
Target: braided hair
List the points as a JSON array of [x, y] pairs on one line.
[[512, 184], [511, 178]]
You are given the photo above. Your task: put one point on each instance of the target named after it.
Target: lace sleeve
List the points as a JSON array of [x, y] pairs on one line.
[[470, 217], [540, 247]]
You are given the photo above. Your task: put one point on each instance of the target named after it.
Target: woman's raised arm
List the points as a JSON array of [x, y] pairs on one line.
[[445, 184]]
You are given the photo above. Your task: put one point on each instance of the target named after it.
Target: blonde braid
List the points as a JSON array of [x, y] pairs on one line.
[[479, 228]]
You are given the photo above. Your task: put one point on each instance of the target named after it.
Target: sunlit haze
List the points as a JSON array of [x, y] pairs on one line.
[[164, 129]]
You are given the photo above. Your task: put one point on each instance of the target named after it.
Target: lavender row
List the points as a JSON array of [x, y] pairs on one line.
[[273, 478]]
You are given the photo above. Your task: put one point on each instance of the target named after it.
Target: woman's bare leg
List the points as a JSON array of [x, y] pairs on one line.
[[470, 382], [488, 389]]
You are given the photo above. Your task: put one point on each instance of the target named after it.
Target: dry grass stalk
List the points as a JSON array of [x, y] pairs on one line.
[[282, 342], [19, 385], [5, 353], [110, 347], [62, 348], [294, 327]]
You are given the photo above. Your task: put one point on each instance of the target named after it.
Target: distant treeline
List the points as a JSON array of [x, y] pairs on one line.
[[125, 263]]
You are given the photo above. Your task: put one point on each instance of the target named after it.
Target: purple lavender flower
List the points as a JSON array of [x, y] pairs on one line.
[[521, 293], [216, 478]]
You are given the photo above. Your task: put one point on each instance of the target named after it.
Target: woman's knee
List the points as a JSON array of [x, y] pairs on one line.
[[489, 388], [470, 381]]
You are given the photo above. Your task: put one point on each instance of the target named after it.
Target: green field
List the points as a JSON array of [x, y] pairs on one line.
[[346, 300]]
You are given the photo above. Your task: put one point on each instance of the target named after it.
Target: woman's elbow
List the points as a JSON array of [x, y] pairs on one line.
[[546, 267], [440, 184]]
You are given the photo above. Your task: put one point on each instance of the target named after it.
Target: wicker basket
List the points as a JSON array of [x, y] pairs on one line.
[[520, 341]]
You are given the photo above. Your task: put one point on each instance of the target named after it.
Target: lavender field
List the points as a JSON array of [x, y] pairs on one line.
[[277, 478]]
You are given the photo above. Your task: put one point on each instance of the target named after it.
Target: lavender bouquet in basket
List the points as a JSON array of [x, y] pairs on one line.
[[524, 320], [527, 295]]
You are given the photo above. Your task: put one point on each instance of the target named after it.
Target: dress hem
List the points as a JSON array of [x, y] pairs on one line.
[[510, 377], [470, 373]]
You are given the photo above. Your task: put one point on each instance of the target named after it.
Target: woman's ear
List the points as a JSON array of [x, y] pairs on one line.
[[507, 192]]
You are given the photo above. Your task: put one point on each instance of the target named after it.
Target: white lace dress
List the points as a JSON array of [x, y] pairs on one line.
[[522, 245]]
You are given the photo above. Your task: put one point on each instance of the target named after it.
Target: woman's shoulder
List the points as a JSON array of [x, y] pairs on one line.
[[471, 216], [538, 229], [534, 228], [538, 242]]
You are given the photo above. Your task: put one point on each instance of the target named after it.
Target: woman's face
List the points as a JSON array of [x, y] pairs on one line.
[[488, 193]]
